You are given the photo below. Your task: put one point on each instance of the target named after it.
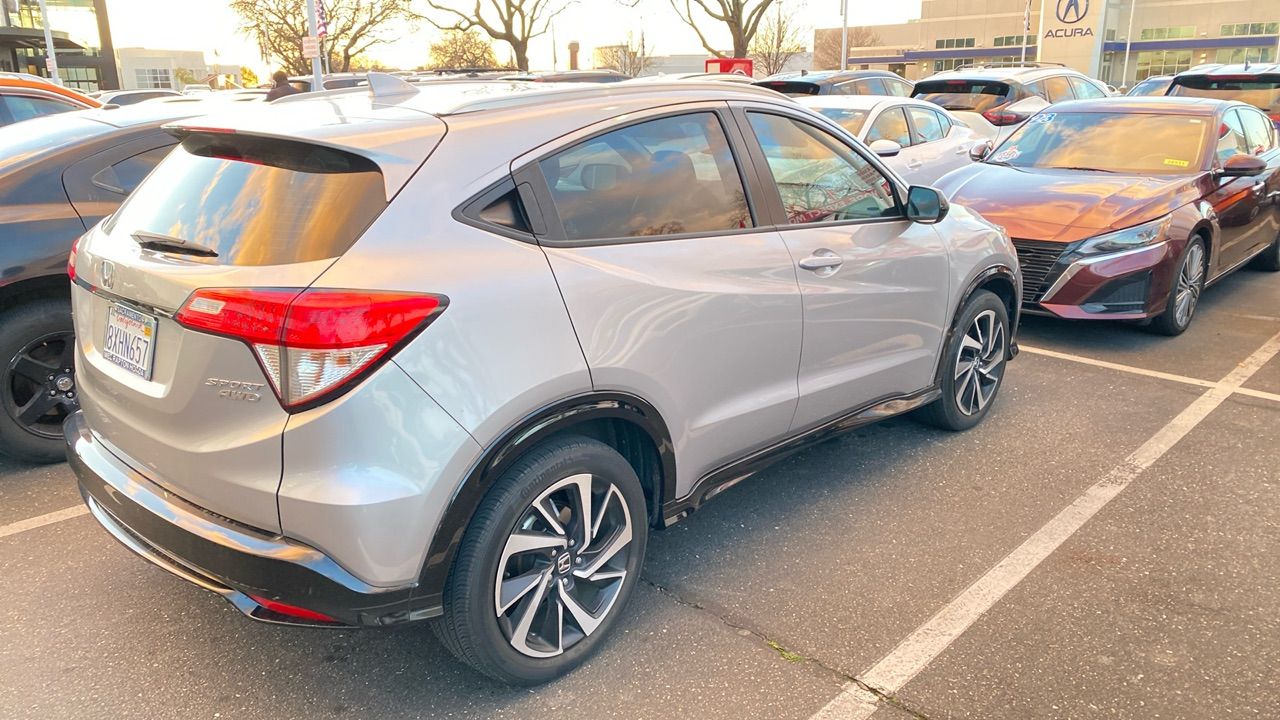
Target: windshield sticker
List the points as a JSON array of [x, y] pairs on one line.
[[1177, 163], [1007, 155], [1043, 118]]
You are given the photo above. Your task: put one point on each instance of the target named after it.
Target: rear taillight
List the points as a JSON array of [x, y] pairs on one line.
[[71, 260], [1001, 118], [312, 344]]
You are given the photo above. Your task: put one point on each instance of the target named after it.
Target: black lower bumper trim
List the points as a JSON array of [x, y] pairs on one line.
[[231, 560]]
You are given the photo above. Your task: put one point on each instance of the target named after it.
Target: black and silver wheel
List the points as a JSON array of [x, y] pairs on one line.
[[549, 561], [1184, 296], [973, 366], [38, 386]]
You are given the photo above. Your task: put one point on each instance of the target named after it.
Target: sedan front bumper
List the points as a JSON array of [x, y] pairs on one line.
[[258, 573], [1128, 285]]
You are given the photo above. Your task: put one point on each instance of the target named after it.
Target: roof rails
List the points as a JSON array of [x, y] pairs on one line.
[[1009, 64]]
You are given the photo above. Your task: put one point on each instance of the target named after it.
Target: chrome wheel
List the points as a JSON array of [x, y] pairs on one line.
[[563, 566], [980, 363], [1190, 284]]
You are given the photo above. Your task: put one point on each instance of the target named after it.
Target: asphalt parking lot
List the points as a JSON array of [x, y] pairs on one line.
[[1105, 545]]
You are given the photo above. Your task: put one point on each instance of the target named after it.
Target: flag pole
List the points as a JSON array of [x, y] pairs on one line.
[[50, 58], [1026, 28], [844, 35], [1128, 39], [317, 80]]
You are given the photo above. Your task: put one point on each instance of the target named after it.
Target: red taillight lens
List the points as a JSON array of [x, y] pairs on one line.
[[1001, 118], [292, 610], [312, 344], [71, 260]]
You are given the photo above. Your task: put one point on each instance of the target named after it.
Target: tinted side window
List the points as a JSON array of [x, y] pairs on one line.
[[819, 178], [663, 177], [872, 86], [1085, 89], [924, 126], [1258, 131], [22, 107], [897, 87], [848, 88], [891, 125], [131, 171], [1057, 89], [945, 122], [1231, 138]]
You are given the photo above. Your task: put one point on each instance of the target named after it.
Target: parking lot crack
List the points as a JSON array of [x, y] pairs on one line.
[[786, 653]]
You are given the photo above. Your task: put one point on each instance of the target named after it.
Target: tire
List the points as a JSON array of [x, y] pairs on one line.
[[479, 630], [1269, 259], [1184, 294], [37, 379], [973, 365]]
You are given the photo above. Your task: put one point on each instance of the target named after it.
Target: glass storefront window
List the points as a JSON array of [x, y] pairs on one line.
[[1163, 62]]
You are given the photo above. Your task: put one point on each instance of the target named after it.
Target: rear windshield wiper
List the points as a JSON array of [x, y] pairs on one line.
[[170, 244]]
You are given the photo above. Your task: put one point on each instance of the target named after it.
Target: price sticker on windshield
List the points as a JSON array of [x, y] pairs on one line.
[[1043, 118], [1171, 162], [1007, 155]]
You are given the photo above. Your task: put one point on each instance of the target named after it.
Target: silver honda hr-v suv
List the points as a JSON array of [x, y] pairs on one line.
[[449, 352]]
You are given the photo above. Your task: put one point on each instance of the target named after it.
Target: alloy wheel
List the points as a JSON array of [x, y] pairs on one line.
[[980, 363], [40, 384], [563, 565], [1190, 284]]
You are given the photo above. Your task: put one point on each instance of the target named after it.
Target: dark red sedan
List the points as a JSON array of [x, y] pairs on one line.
[[1127, 208]]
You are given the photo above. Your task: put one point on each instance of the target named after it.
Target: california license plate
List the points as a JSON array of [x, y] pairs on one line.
[[130, 340]]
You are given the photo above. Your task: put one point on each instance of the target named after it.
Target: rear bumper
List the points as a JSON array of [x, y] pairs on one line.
[[235, 561]]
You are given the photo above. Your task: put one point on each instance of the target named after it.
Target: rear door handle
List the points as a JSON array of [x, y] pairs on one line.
[[823, 261]]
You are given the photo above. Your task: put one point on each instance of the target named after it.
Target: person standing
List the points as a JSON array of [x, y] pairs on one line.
[[281, 88]]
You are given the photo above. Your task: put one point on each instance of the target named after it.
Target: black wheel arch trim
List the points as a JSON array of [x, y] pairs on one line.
[[510, 445], [998, 270]]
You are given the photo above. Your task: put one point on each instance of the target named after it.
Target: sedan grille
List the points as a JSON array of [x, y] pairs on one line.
[[1037, 259]]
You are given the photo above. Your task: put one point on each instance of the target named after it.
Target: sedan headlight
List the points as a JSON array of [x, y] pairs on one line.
[[1148, 233]]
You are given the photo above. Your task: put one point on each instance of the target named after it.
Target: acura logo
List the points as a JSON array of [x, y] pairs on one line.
[[108, 274], [1072, 11]]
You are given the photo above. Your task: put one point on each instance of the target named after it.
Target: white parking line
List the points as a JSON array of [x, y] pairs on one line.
[[1148, 373], [921, 647], [42, 520]]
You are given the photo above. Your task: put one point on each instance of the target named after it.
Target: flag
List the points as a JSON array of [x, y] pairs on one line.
[[322, 20], [1026, 19]]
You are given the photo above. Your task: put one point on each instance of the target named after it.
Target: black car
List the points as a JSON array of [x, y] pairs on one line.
[[1257, 84], [58, 178], [838, 82]]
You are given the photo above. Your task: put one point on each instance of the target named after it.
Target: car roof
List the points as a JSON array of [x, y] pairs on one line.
[[1213, 69], [819, 77], [1021, 73], [1151, 104], [33, 82], [860, 102]]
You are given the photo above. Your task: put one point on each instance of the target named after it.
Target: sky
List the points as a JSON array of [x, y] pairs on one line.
[[210, 26]]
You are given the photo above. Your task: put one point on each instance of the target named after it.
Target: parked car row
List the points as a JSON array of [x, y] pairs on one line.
[[292, 379]]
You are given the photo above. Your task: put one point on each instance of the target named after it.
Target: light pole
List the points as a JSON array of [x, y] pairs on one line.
[[50, 58], [1128, 39], [317, 72], [844, 34]]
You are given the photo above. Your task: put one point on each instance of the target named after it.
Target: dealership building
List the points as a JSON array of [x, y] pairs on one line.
[[81, 39], [1094, 36]]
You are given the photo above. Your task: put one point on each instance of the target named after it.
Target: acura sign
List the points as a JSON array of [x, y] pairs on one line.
[[1070, 33]]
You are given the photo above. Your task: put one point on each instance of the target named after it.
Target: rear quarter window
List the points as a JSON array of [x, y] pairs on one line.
[[257, 201]]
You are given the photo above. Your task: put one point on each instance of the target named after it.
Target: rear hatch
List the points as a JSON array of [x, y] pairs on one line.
[[963, 94], [1261, 90], [192, 410]]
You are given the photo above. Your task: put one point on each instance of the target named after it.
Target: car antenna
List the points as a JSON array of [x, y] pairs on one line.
[[387, 85]]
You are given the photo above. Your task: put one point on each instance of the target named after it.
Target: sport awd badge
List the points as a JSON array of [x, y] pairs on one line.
[[237, 389]]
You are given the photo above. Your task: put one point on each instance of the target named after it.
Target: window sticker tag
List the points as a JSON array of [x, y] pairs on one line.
[[1177, 163], [1007, 155], [1043, 118]]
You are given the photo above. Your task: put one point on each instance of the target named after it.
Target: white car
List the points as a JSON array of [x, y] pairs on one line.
[[919, 140]]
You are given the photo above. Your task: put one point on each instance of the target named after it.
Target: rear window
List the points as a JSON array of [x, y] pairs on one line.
[[257, 201], [791, 87], [968, 95], [1259, 91]]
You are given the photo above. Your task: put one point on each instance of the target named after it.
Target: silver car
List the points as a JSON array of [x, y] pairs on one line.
[[450, 351]]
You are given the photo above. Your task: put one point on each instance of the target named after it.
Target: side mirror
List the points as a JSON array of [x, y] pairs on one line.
[[885, 148], [980, 150], [926, 205], [1242, 166]]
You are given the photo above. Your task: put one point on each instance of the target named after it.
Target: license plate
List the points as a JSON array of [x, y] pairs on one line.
[[130, 340]]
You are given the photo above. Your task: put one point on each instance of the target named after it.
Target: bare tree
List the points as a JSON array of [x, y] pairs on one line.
[[741, 17], [514, 22], [826, 44], [776, 42], [354, 26], [630, 58], [460, 49]]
